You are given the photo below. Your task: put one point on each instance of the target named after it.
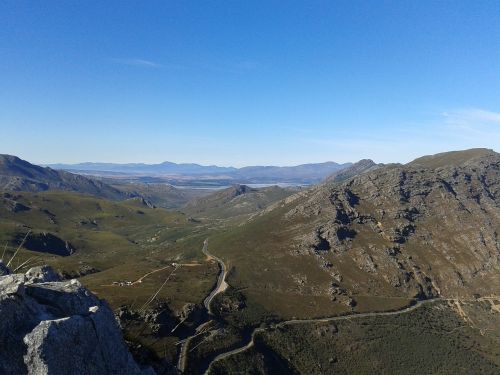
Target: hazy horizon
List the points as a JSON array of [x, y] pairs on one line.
[[270, 164]]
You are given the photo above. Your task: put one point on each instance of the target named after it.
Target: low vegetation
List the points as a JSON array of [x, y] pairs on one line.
[[432, 339], [110, 242]]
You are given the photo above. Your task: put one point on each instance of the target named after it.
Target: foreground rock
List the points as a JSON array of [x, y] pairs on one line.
[[4, 270], [54, 327]]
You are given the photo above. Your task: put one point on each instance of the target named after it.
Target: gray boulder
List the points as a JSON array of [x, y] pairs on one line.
[[42, 274], [19, 315], [86, 344], [67, 297], [12, 285], [57, 328]]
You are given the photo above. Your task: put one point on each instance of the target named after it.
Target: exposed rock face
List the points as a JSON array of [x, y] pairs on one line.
[[48, 243], [41, 274], [53, 327], [143, 202], [423, 229], [14, 206], [160, 319], [82, 270], [191, 313]]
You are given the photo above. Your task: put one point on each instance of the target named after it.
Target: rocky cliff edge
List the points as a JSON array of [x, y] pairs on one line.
[[49, 326]]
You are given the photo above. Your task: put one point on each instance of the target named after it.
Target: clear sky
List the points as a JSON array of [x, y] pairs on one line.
[[247, 82]]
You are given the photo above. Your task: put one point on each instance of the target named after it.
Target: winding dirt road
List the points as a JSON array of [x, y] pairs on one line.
[[220, 287], [221, 279], [346, 317], [318, 320]]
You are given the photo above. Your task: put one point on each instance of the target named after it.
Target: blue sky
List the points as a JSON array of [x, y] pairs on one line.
[[247, 82]]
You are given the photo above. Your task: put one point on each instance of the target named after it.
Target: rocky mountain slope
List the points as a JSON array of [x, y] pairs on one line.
[[19, 175], [50, 326], [236, 200], [428, 228]]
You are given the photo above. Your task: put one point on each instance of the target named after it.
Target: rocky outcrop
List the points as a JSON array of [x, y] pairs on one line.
[[82, 270], [48, 243], [13, 206], [57, 327], [160, 319], [423, 229], [142, 201], [41, 274], [192, 314]]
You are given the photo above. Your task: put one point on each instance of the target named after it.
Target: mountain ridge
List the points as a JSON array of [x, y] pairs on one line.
[[236, 200], [19, 175]]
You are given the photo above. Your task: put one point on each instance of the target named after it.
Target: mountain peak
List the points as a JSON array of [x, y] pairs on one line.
[[355, 169]]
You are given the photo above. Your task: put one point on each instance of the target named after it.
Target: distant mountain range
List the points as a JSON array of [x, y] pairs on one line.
[[305, 173], [141, 168], [310, 173], [19, 175]]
